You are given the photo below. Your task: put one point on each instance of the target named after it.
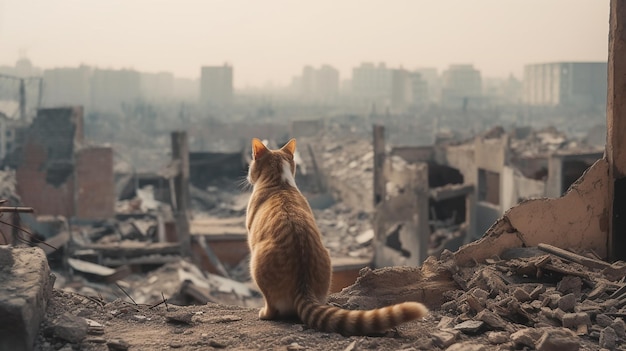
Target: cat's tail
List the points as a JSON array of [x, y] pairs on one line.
[[356, 322]]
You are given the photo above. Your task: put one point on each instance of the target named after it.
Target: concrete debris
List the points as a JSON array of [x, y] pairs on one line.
[[531, 300], [70, 328], [25, 288], [117, 345]]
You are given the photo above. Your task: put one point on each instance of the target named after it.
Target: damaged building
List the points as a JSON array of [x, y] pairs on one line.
[[462, 188]]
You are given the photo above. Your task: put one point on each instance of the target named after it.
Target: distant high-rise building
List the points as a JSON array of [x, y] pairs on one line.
[[186, 89], [574, 84], [111, 88], [462, 85], [420, 90], [432, 78], [157, 86], [67, 86], [401, 88], [216, 86], [371, 81], [318, 84]]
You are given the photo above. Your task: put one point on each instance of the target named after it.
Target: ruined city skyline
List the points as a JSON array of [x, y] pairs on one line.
[[266, 45]]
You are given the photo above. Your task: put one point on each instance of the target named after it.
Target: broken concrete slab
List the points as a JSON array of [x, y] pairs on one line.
[[25, 288]]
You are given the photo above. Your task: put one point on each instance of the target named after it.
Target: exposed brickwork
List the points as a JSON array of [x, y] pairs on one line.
[[33, 188], [95, 187], [56, 177]]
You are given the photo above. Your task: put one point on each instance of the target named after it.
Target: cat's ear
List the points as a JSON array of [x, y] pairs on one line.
[[258, 149], [290, 147]]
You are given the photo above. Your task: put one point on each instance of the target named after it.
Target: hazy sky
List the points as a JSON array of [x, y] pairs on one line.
[[271, 40]]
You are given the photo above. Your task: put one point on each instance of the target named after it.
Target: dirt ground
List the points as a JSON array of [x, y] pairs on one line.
[[122, 325], [211, 326]]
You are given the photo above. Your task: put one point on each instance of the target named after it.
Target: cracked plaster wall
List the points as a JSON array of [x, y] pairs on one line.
[[577, 220]]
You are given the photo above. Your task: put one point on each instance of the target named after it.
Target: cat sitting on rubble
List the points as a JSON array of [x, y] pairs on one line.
[[288, 260]]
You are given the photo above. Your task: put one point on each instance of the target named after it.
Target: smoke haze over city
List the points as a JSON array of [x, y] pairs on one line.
[[268, 42]]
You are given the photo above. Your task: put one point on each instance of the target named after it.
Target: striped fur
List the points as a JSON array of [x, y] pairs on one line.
[[288, 260]]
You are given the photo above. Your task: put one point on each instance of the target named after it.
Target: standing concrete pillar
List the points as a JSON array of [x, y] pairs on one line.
[[616, 129], [181, 202], [379, 161]]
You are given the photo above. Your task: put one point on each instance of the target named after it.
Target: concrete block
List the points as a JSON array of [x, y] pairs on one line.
[[25, 288]]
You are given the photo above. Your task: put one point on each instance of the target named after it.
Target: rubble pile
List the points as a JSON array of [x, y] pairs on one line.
[[531, 143], [345, 232], [347, 165], [544, 299]]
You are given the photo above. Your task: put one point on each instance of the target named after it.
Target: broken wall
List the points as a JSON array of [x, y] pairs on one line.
[[516, 187], [95, 186], [490, 154], [56, 176], [579, 220], [462, 158], [400, 219], [45, 165], [563, 170]]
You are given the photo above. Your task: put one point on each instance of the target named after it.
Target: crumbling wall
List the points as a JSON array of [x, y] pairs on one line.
[[55, 176], [95, 187], [461, 157], [399, 220], [516, 187], [34, 189], [578, 220]]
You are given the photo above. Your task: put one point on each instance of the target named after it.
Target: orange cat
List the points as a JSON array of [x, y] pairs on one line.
[[289, 262]]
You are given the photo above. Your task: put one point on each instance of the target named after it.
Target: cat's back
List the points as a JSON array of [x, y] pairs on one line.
[[277, 212]]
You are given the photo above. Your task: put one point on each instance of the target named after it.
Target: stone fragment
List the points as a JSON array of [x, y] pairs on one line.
[[467, 346], [497, 338], [70, 328], [480, 294], [176, 344], [553, 300], [620, 328], [473, 303], [469, 327], [608, 338], [443, 338], [179, 317], [521, 295], [25, 288], [540, 289], [491, 319], [570, 284], [446, 323], [117, 345], [526, 337], [554, 314], [558, 340], [573, 320], [567, 302], [95, 340]]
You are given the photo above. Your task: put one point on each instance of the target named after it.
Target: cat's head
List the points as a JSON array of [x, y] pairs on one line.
[[272, 166]]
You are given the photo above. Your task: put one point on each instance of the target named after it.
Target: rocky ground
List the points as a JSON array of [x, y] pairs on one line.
[[531, 300]]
